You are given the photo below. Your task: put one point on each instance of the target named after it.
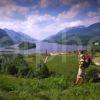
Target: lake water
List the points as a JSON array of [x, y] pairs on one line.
[[44, 47]]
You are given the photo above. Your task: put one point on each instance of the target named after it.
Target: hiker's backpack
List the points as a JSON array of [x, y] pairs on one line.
[[87, 61]]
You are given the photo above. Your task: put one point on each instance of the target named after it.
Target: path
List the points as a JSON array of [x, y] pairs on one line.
[[97, 61]]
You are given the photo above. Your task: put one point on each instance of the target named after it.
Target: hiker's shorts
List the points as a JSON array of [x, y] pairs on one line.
[[80, 73]]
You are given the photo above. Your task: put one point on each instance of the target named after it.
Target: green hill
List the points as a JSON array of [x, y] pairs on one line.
[[5, 39]]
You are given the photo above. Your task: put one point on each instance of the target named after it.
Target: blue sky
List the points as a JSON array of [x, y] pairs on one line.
[[43, 18]]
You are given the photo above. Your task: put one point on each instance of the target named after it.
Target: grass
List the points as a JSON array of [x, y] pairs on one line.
[[30, 88], [53, 88], [57, 87], [89, 91], [63, 64]]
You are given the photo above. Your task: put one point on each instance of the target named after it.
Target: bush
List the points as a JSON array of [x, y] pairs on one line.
[[95, 49], [41, 70], [12, 70], [15, 65], [27, 73], [92, 74]]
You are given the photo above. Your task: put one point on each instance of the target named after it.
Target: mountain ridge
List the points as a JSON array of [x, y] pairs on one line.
[[82, 33], [19, 36]]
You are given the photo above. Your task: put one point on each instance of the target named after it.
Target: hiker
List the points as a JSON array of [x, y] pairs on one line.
[[84, 61], [81, 68]]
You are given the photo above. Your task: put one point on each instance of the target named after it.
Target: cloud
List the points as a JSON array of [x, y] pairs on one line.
[[72, 24], [72, 2], [6, 2], [44, 3], [92, 17], [71, 13], [32, 27], [51, 3], [98, 1], [9, 9], [94, 14], [74, 11], [66, 1], [89, 21]]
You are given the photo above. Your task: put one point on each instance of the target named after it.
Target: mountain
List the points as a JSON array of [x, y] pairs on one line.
[[63, 33], [19, 37], [78, 34], [5, 39]]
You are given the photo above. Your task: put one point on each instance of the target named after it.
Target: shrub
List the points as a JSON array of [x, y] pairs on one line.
[[12, 70], [92, 74], [15, 65], [95, 49], [27, 73], [41, 70]]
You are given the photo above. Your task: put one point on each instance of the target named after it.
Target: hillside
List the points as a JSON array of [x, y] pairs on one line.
[[70, 36], [5, 39], [18, 36]]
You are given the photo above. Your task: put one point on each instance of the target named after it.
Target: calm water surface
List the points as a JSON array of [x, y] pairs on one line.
[[44, 47]]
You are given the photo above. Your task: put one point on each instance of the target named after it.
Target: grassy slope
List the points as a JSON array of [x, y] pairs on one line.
[[62, 64], [53, 88]]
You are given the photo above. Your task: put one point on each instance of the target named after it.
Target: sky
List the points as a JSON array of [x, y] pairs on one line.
[[43, 18]]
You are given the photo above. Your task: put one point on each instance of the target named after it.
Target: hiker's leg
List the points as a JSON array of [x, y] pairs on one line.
[[78, 76], [81, 81], [78, 80]]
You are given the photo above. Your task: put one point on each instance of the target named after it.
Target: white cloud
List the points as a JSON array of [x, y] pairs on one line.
[[72, 24]]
